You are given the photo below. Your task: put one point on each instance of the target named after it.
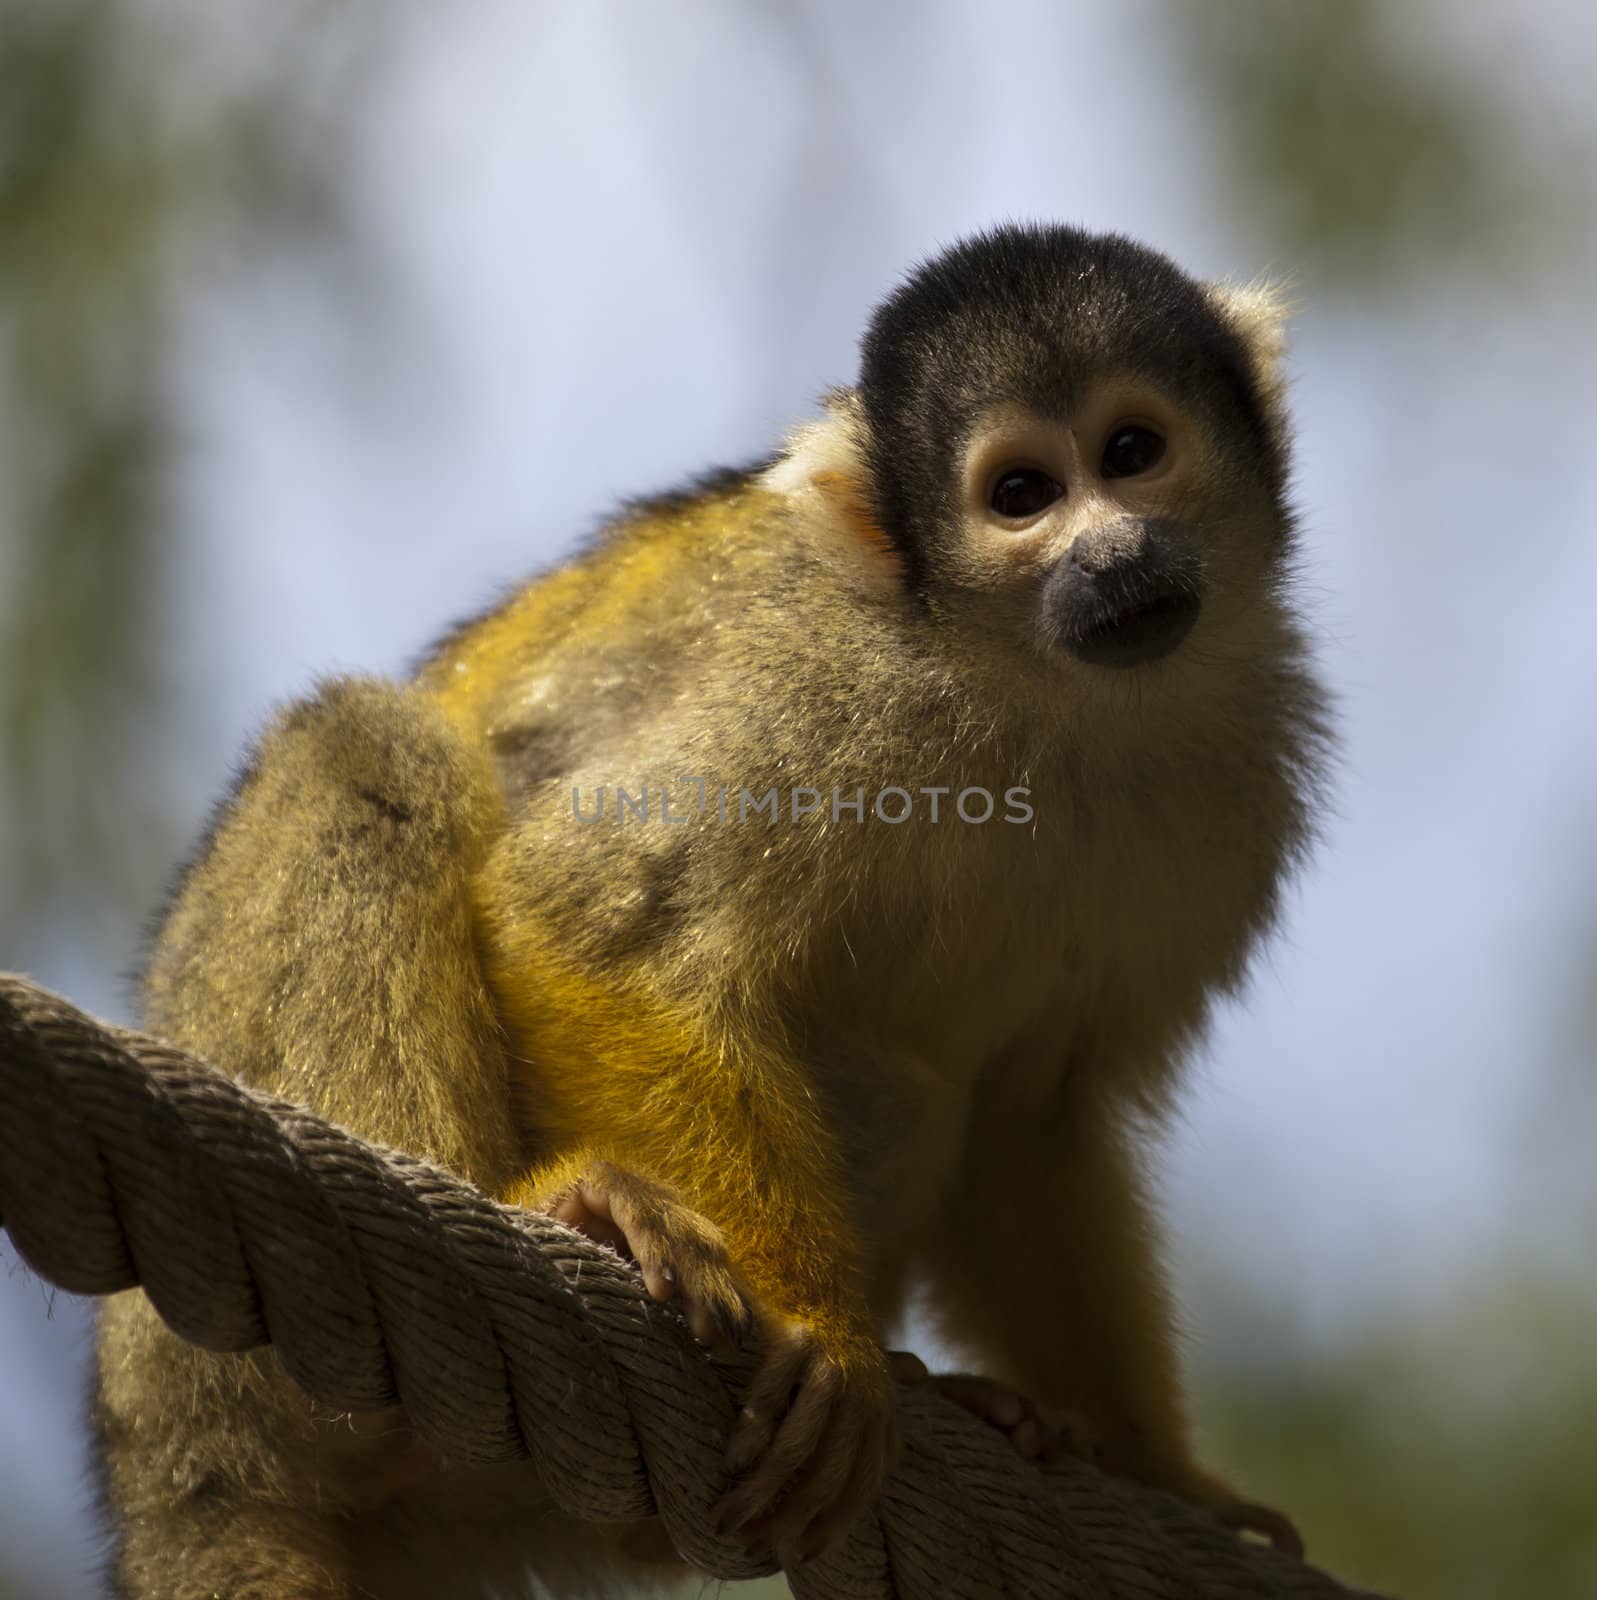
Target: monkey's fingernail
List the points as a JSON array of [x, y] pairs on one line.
[[668, 1272]]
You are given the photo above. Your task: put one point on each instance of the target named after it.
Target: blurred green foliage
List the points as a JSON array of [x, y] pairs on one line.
[[1378, 148], [1450, 1458], [142, 149]]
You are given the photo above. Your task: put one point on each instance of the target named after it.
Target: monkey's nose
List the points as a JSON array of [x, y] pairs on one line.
[[1145, 631], [1126, 597]]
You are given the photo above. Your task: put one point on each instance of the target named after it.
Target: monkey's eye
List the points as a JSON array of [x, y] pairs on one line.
[[1131, 450], [1023, 492]]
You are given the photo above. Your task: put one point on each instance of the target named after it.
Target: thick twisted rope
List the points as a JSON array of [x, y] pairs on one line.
[[380, 1280]]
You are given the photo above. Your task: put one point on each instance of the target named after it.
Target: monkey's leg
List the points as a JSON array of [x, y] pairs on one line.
[[320, 947], [1045, 1266]]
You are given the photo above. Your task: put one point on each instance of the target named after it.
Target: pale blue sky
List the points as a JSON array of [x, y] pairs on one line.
[[616, 249]]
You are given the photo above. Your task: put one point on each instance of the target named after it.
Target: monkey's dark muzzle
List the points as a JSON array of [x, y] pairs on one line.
[[1124, 594]]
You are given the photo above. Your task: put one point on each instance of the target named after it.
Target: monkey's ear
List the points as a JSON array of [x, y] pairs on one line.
[[822, 470], [1259, 312]]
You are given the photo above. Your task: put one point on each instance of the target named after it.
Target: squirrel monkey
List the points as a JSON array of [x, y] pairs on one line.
[[813, 888]]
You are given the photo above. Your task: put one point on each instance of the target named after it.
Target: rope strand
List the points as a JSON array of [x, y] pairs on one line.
[[125, 1162]]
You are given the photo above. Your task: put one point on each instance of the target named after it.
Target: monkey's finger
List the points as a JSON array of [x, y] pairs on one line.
[[906, 1366], [655, 1259], [1068, 1433], [594, 1192], [1028, 1438], [717, 1307], [811, 1490], [669, 1243], [769, 1396], [640, 1221], [865, 1472], [705, 1323], [570, 1208], [984, 1398], [811, 1436], [751, 1433], [659, 1277], [1034, 1436], [745, 1508], [588, 1205], [828, 1500], [1056, 1443], [1274, 1525], [683, 1257]]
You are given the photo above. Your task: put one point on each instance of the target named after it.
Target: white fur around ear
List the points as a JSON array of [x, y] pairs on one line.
[[1259, 311], [825, 449], [822, 471]]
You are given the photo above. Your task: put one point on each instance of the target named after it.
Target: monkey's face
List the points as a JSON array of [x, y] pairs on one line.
[[1119, 533], [1073, 535], [1075, 449]]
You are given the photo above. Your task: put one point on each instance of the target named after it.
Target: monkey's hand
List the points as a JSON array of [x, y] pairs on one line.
[[1036, 1435], [681, 1254], [817, 1431], [813, 1442]]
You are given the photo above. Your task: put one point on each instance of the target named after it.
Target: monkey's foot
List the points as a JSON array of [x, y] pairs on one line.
[[681, 1255], [1047, 1436], [812, 1444], [1191, 1482], [1244, 1516], [1034, 1435]]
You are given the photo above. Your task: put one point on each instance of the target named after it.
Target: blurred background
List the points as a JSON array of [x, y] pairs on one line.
[[319, 322]]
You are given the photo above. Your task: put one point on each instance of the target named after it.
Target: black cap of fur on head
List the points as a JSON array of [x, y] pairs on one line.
[[1023, 315]]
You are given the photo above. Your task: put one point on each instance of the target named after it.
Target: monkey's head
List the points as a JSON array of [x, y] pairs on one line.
[[1069, 443]]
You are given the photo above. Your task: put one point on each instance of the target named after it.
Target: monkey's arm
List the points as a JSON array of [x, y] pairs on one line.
[[1045, 1266], [321, 947], [730, 1130], [816, 1431]]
